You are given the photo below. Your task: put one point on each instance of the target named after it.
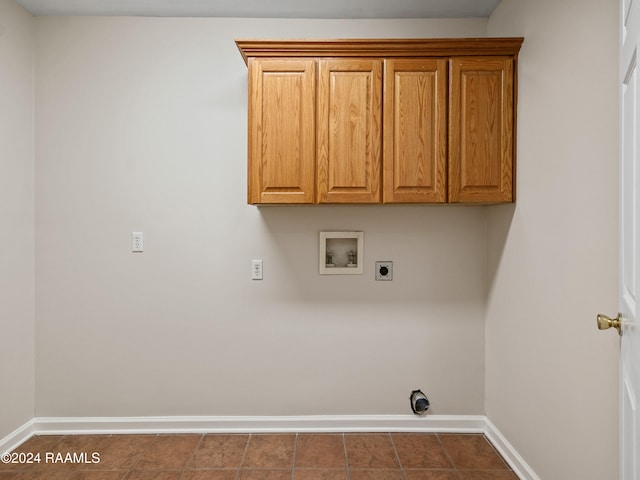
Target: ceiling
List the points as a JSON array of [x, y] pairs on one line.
[[267, 8]]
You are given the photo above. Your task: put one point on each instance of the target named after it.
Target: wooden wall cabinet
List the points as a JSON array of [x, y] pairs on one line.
[[282, 131], [481, 130], [415, 131], [349, 108], [381, 121]]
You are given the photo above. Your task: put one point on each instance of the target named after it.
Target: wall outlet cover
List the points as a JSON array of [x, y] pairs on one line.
[[384, 270]]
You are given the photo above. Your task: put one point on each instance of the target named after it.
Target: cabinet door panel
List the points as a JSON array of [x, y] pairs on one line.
[[481, 130], [349, 130], [415, 131], [281, 131]]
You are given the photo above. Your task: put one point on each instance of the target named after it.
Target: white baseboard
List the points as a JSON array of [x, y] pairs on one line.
[[511, 456], [272, 424], [18, 436], [248, 424]]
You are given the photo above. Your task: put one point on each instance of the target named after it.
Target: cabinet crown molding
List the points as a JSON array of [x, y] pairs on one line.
[[380, 47]]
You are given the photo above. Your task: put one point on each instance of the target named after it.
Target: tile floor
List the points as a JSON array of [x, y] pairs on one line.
[[303, 456]]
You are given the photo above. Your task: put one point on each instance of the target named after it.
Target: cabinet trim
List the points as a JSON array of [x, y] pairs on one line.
[[383, 47]]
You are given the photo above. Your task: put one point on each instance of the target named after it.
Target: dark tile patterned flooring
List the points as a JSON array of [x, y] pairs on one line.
[[287, 456]]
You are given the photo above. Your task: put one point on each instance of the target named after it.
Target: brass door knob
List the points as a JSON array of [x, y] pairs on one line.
[[605, 322]]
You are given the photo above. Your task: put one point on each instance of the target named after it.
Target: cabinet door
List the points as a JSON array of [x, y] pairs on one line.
[[349, 130], [281, 130], [481, 130], [415, 131]]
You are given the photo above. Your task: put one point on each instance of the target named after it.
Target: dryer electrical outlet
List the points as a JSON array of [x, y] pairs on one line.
[[384, 270]]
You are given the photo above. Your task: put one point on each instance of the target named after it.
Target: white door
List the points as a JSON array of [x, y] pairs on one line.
[[629, 247]]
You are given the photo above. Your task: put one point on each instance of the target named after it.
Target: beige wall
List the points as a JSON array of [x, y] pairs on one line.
[[141, 125], [551, 377], [16, 214]]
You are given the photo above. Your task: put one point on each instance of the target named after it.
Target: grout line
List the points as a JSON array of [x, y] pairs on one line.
[[346, 455], [193, 454], [244, 454], [144, 450], [293, 461], [395, 451], [446, 452]]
